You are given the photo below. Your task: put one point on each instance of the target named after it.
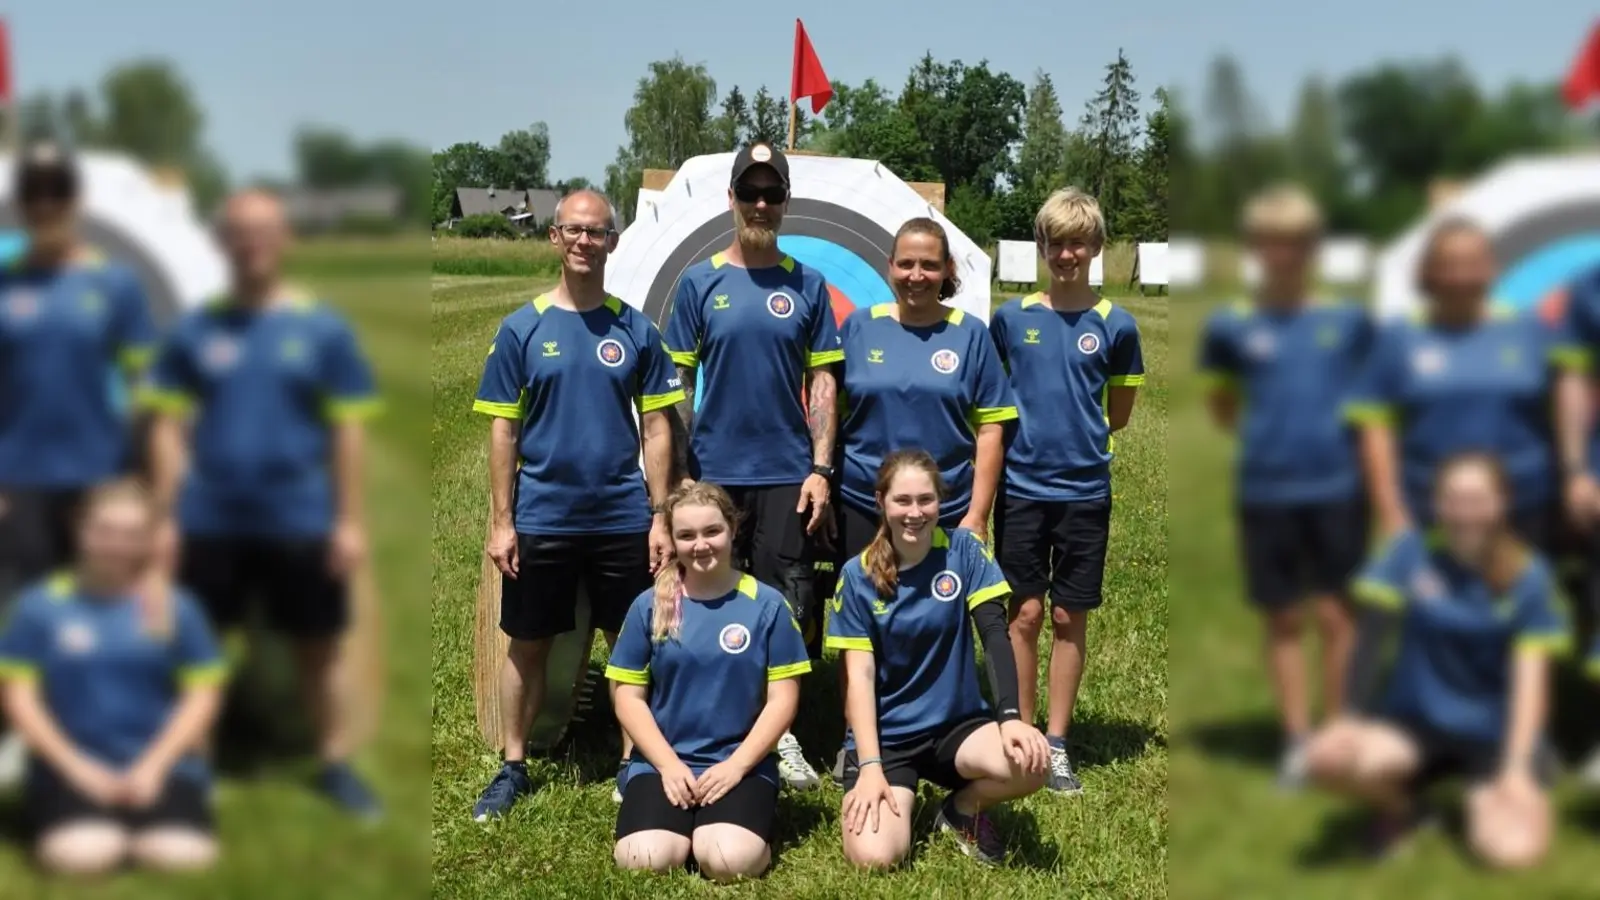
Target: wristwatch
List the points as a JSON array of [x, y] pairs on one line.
[[824, 471]]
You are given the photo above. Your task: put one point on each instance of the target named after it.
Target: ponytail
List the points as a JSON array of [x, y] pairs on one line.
[[881, 562], [666, 619]]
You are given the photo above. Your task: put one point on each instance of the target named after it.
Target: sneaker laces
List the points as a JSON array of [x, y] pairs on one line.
[[503, 789], [790, 752], [1060, 763]]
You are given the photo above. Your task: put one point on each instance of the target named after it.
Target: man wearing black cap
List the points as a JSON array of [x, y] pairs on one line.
[[70, 320], [758, 328]]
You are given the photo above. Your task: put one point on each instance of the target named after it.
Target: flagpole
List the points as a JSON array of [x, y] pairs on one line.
[[794, 110]]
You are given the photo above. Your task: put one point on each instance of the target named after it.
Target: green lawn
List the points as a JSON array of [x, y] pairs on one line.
[[1234, 834], [279, 838], [1109, 842]]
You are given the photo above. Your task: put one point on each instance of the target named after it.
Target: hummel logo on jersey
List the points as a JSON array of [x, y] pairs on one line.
[[1032, 336], [874, 355], [880, 608], [550, 349], [720, 301]]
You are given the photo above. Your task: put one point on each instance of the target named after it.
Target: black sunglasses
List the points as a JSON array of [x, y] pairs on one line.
[[749, 193], [58, 188]]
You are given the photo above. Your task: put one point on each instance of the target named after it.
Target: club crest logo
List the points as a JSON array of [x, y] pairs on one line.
[[734, 638], [221, 352], [946, 586], [780, 304], [610, 352], [945, 361], [1427, 586], [75, 638], [22, 305], [1428, 361], [1260, 344], [761, 153], [1088, 343]]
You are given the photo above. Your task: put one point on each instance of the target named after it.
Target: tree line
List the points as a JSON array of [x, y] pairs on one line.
[[998, 146], [1369, 146], [146, 109]]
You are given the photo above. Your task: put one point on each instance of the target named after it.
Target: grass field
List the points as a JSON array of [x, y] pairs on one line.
[[1109, 842], [280, 840], [1233, 834]]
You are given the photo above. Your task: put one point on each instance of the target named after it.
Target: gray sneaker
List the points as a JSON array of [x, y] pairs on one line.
[[13, 761], [838, 767], [1292, 767], [1062, 779]]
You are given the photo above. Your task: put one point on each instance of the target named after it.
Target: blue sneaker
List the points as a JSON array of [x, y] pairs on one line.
[[343, 786], [509, 783], [1062, 779]]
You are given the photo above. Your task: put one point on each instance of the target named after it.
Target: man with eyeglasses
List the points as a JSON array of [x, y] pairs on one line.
[[757, 326], [563, 380], [71, 322]]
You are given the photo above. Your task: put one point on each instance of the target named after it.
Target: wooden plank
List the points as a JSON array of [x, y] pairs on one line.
[[931, 191], [657, 179]]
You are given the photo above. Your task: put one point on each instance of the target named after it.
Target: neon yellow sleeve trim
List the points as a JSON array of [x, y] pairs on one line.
[[18, 670], [207, 675], [164, 400], [498, 410], [354, 409], [1545, 644], [1125, 380], [847, 643], [1376, 593], [984, 595], [991, 415], [1576, 359], [653, 402], [686, 358], [1369, 413], [793, 670], [825, 358], [639, 677]]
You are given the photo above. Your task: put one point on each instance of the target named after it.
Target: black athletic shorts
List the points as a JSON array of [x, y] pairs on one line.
[[932, 758], [36, 535], [50, 802], [1057, 547], [1292, 553], [752, 805], [291, 578], [1445, 756], [542, 601], [772, 544]]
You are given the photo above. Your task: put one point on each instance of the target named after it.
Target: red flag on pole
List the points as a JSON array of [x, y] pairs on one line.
[[808, 80], [1583, 79], [5, 64]]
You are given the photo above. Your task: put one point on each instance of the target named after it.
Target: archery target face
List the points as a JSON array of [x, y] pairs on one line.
[[840, 221], [1543, 215]]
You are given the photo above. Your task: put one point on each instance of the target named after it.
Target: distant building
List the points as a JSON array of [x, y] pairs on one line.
[[314, 209], [528, 210]]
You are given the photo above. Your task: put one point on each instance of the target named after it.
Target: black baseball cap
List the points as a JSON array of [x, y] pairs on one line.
[[46, 167], [761, 153]]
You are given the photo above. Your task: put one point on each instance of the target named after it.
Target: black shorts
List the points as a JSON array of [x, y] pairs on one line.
[[1292, 553], [931, 759], [1444, 756], [1057, 547], [752, 805], [49, 802], [36, 535], [291, 578], [542, 601], [772, 544]]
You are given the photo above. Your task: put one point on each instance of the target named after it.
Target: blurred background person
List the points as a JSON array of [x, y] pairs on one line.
[[70, 322], [1467, 376], [114, 680], [1279, 370], [1578, 443], [258, 454], [1452, 675]]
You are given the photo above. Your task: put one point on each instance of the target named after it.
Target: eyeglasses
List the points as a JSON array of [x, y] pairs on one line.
[[749, 193], [596, 233]]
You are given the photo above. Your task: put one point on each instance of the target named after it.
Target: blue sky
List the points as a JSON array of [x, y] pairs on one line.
[[436, 73]]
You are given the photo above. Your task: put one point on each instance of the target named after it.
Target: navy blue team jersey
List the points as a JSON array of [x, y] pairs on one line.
[[753, 333], [573, 382], [1485, 388], [264, 387], [1457, 638], [708, 686], [109, 681], [1294, 371], [928, 387], [921, 640], [64, 334], [1061, 366]]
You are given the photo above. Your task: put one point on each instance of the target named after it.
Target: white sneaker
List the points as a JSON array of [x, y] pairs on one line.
[[13, 761], [1292, 767], [1589, 774], [792, 765]]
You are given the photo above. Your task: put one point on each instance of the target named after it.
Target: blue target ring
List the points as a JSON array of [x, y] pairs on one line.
[[1547, 270]]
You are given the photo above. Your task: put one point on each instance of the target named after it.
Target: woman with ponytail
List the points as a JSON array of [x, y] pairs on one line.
[[904, 617], [114, 679], [707, 669], [1451, 675]]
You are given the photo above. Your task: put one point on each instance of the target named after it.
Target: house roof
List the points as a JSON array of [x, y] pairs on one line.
[[477, 201]]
